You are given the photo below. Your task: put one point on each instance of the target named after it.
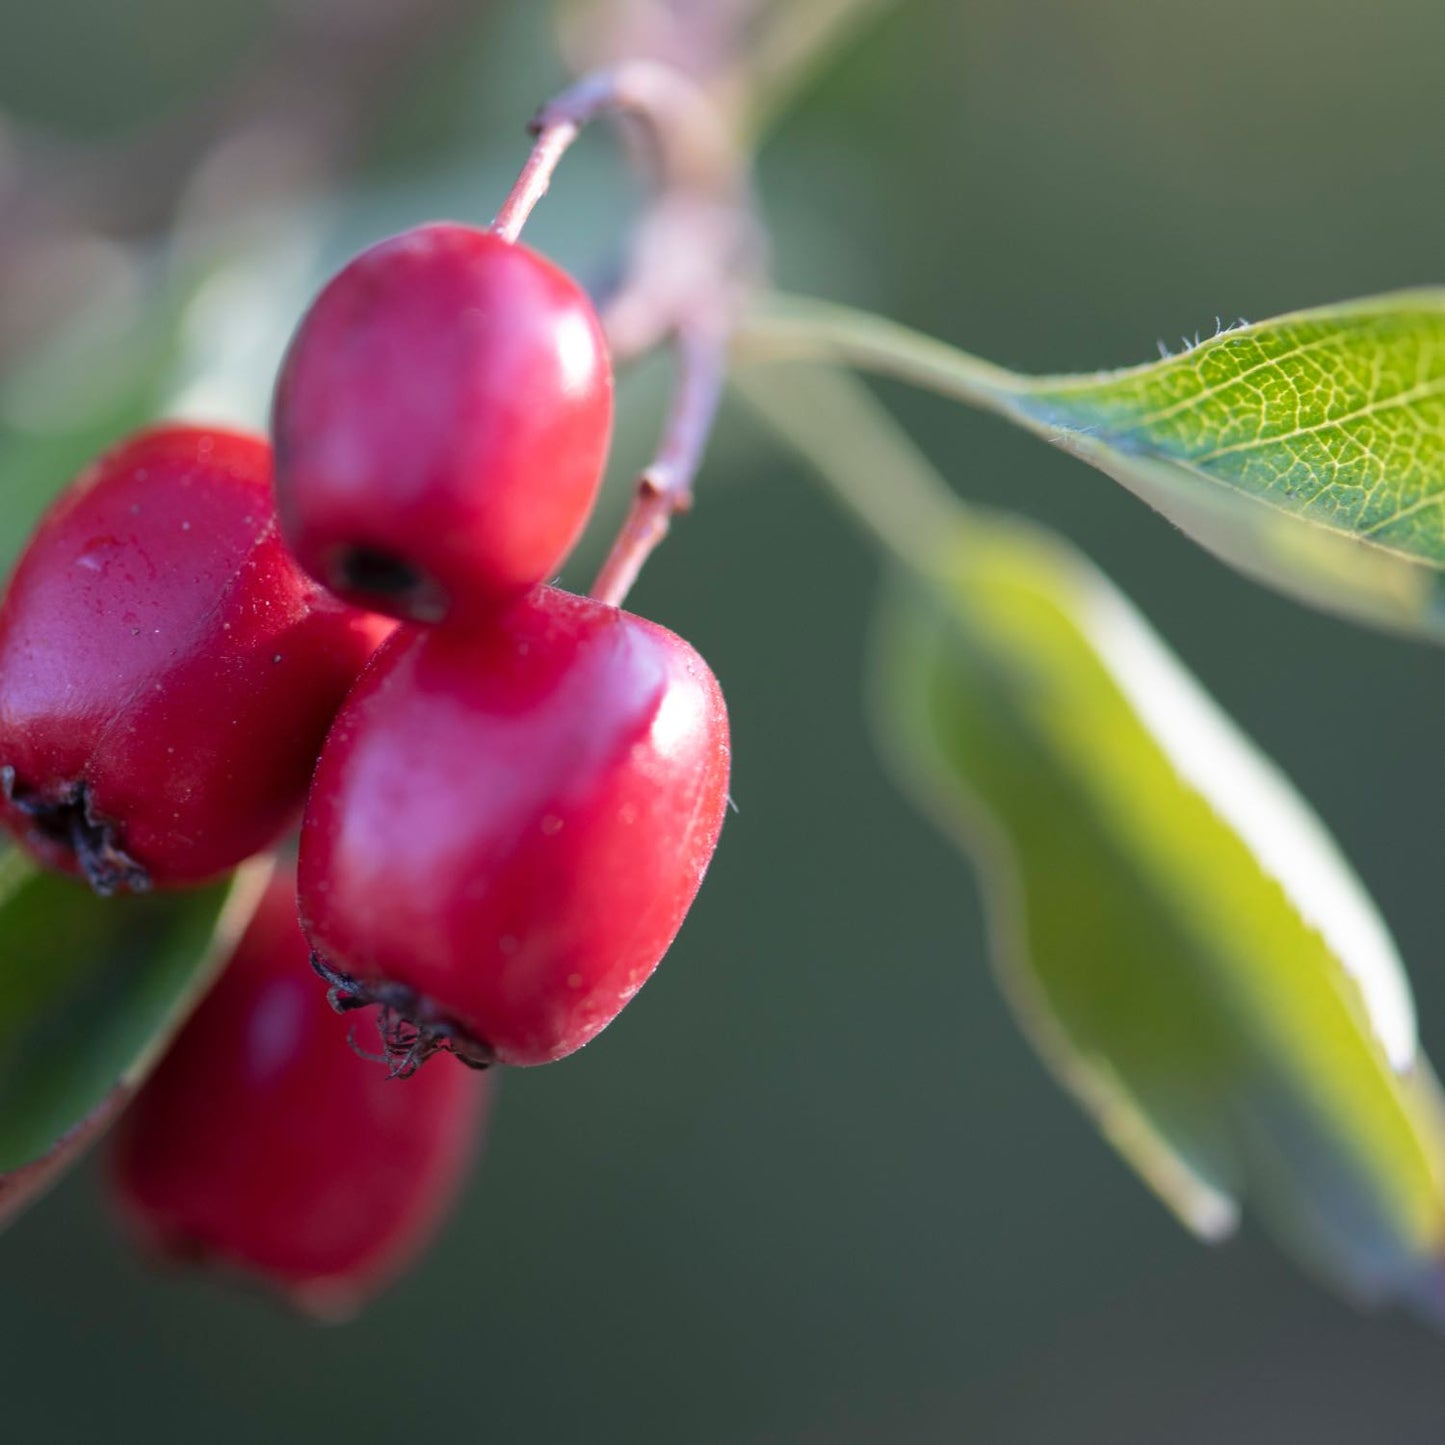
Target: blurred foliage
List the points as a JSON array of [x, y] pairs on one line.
[[811, 1187], [85, 70], [94, 988], [1180, 937]]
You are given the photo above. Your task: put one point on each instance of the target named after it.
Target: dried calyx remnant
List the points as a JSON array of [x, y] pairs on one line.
[[380, 574], [411, 1029], [385, 581], [66, 819]]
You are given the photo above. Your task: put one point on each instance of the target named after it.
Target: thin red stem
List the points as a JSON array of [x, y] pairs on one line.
[[665, 487], [551, 145], [692, 144], [685, 285]]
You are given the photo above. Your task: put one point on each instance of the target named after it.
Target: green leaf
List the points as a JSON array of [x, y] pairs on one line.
[[91, 990], [1308, 451], [1179, 935], [1333, 417]]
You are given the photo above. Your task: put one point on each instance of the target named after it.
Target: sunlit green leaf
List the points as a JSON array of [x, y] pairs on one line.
[[1179, 935], [1308, 451], [90, 991], [1334, 417]]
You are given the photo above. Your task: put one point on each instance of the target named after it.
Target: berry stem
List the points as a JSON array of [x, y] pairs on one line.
[[692, 144], [665, 486], [551, 145], [695, 258]]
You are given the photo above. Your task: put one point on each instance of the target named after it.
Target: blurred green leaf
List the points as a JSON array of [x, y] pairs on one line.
[[79, 395], [1308, 451], [91, 989], [1178, 933]]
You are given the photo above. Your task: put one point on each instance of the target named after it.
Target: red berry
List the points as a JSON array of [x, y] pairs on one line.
[[441, 424], [507, 826], [167, 672], [263, 1143]]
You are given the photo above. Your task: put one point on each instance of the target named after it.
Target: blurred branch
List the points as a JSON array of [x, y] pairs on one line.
[[750, 56], [696, 257], [290, 115], [700, 39], [796, 39], [703, 77]]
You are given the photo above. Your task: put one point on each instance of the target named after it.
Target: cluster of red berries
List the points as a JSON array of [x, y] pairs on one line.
[[510, 793]]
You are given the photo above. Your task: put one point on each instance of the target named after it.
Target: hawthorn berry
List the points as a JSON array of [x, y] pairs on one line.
[[263, 1142], [441, 422], [167, 672], [508, 825]]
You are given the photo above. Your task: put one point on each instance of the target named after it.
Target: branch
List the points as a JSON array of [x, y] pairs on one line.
[[694, 261]]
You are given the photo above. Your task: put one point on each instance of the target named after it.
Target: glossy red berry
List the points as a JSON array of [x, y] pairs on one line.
[[507, 825], [264, 1144], [441, 423], [167, 672]]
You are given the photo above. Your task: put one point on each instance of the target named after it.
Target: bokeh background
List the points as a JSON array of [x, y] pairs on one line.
[[812, 1186]]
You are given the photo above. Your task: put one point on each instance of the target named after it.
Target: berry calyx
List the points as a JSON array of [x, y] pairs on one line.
[[167, 672], [441, 424], [508, 825], [264, 1144]]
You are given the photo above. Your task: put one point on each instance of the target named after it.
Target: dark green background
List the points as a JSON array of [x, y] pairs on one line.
[[812, 1187]]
